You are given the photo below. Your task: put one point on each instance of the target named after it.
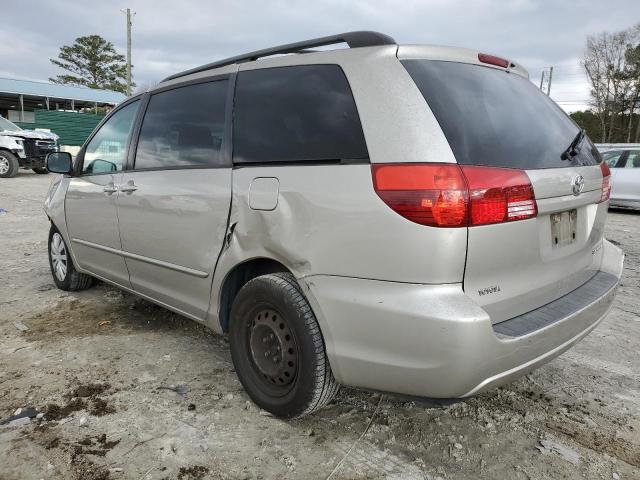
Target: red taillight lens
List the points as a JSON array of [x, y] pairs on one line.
[[446, 195], [493, 60], [434, 194], [606, 182], [499, 195]]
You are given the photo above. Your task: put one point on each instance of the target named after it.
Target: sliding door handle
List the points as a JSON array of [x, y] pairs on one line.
[[128, 187], [110, 188]]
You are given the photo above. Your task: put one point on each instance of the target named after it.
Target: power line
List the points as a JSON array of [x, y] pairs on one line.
[[568, 67], [562, 65], [572, 74]]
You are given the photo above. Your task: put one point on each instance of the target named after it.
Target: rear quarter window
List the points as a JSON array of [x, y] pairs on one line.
[[184, 127], [292, 114], [495, 118]]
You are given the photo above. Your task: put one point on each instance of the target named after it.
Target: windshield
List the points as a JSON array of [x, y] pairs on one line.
[[7, 125], [492, 117]]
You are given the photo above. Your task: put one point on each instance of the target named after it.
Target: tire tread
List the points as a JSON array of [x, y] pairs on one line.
[[320, 384], [75, 280], [14, 164], [326, 386]]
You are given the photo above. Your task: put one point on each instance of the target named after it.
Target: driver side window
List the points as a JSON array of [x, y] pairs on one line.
[[107, 150], [612, 158]]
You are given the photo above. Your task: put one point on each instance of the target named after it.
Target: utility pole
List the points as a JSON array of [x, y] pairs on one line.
[[545, 80], [128, 13], [548, 84], [542, 74]]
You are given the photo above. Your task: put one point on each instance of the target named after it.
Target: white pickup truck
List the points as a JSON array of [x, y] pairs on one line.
[[24, 149]]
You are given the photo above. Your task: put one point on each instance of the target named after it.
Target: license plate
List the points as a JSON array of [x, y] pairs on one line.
[[564, 228]]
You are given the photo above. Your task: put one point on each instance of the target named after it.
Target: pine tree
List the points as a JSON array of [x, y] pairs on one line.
[[92, 62]]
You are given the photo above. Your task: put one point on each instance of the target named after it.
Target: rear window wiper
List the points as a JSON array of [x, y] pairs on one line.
[[571, 149]]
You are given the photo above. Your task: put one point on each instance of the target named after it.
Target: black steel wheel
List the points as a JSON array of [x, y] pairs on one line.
[[277, 347], [273, 350]]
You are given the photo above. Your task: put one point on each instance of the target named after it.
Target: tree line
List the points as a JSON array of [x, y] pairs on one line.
[[612, 64]]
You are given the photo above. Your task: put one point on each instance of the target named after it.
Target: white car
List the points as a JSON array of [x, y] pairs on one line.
[[625, 176]]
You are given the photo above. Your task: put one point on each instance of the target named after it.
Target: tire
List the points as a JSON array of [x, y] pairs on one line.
[[9, 164], [40, 170], [64, 272], [296, 379]]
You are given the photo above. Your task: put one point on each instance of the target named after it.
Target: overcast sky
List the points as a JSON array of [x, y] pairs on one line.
[[169, 36]]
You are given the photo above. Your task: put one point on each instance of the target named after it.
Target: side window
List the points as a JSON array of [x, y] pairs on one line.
[[184, 127], [107, 150], [633, 160], [300, 113], [612, 158]]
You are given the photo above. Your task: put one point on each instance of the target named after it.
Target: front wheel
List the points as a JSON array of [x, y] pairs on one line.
[[64, 272], [9, 164], [40, 170], [277, 347]]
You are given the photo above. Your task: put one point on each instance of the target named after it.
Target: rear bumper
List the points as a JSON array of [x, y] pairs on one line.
[[434, 341]]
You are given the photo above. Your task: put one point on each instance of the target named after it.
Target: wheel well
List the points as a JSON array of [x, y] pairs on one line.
[[5, 149], [238, 277]]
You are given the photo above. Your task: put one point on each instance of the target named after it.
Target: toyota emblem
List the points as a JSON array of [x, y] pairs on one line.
[[577, 184]]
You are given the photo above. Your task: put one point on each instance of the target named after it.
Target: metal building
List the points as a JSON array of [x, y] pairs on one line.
[[19, 98], [70, 112]]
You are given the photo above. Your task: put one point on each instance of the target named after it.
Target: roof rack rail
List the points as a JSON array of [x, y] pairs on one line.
[[353, 39]]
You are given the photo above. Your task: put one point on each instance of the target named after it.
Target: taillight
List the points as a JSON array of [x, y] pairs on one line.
[[499, 195], [447, 195], [433, 194], [606, 182], [493, 60]]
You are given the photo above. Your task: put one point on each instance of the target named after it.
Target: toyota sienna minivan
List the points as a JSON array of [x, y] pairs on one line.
[[402, 218]]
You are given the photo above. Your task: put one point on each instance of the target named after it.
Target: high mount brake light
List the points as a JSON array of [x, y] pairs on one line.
[[493, 60], [606, 182], [447, 195]]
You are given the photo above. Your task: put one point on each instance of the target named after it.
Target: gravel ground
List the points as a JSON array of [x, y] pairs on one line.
[[96, 362]]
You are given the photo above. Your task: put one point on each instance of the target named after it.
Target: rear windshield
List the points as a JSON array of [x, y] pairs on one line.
[[492, 117]]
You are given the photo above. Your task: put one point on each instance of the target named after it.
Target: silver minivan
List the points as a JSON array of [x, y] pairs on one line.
[[410, 219]]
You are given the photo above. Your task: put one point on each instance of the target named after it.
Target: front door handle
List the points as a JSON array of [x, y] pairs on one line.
[[110, 188], [128, 187]]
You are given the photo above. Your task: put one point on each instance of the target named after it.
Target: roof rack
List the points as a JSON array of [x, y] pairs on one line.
[[353, 39]]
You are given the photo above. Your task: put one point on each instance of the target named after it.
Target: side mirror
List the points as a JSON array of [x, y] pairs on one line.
[[59, 162]]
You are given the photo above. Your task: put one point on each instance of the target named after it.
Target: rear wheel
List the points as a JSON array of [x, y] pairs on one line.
[[277, 347], [9, 164], [40, 170], [64, 272]]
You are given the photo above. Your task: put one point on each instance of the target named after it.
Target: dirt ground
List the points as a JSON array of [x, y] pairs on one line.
[[100, 364]]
